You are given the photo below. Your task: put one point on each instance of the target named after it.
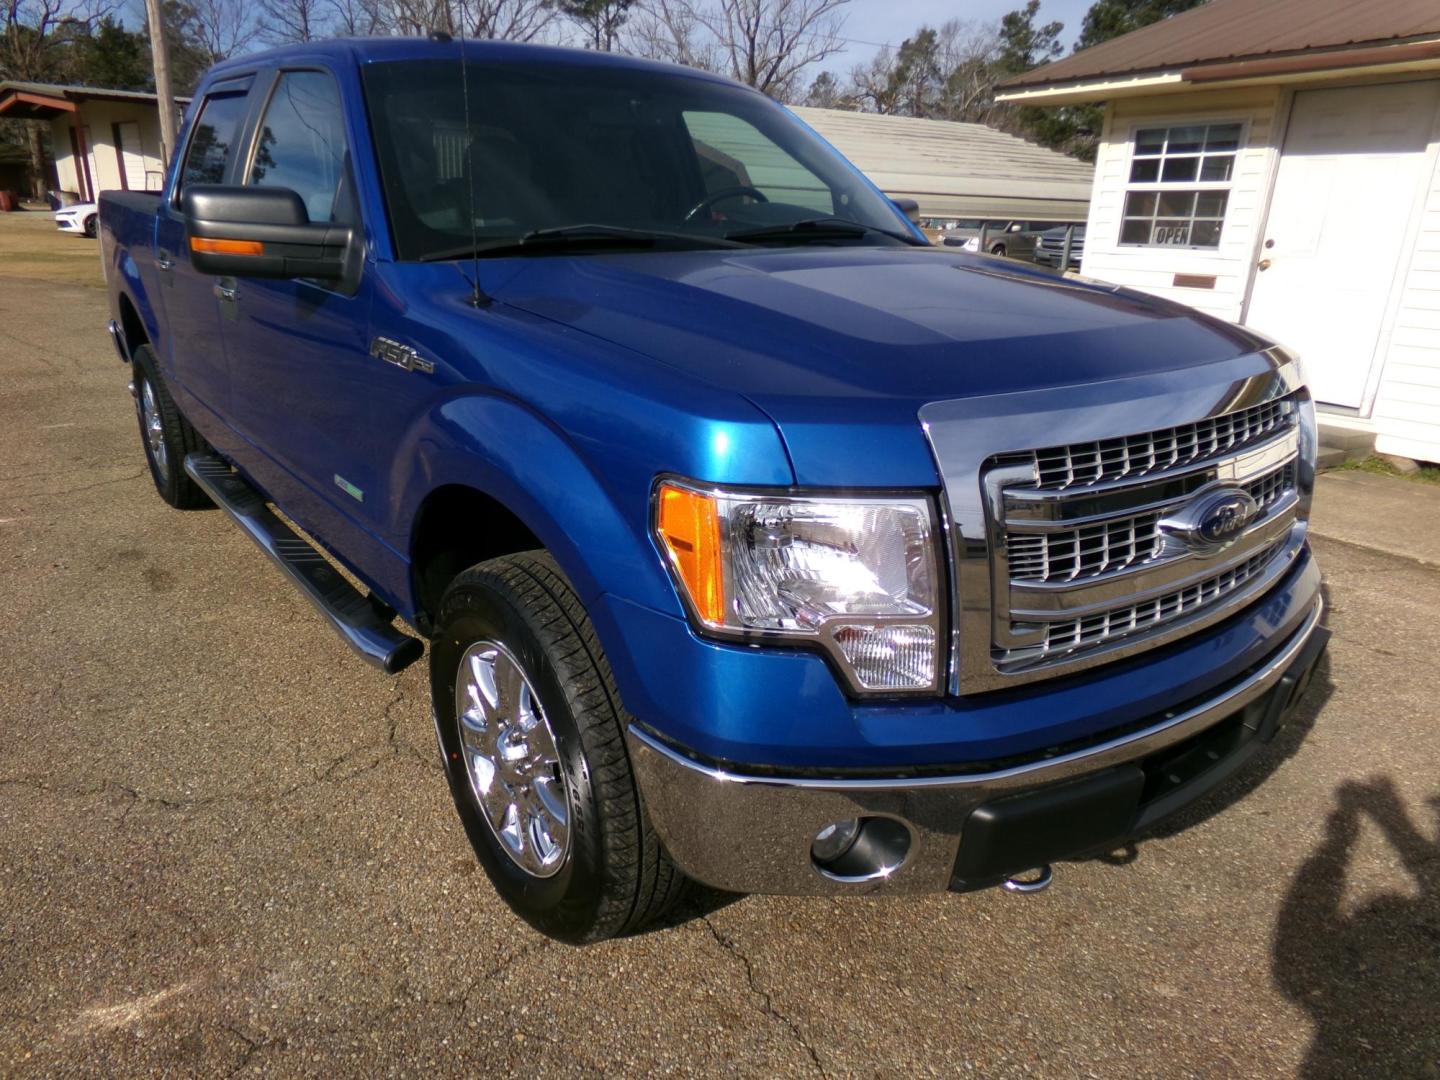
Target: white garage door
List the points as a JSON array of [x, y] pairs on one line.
[[1351, 168]]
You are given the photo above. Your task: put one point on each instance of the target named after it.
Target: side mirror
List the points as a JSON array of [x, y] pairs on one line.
[[909, 207], [1017, 227], [262, 232]]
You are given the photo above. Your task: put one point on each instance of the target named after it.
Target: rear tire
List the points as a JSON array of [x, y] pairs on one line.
[[166, 436], [597, 869]]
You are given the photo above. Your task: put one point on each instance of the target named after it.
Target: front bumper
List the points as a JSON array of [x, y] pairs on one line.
[[70, 224], [753, 834]]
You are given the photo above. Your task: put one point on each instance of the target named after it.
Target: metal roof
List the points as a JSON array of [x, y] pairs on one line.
[[957, 170], [1228, 30], [38, 101]]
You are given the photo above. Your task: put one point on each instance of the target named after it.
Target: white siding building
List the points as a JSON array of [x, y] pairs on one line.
[[103, 140], [1277, 163]]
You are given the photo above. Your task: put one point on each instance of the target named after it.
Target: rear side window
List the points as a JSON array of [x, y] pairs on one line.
[[302, 146], [216, 129]]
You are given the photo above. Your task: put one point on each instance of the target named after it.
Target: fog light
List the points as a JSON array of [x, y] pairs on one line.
[[834, 840], [890, 657]]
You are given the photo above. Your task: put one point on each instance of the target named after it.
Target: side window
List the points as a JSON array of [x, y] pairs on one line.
[[732, 153], [302, 145], [216, 128]]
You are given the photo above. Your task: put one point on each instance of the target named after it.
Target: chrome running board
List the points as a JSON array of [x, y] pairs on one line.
[[363, 623]]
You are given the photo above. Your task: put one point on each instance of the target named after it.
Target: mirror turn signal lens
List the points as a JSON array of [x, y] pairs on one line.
[[689, 526], [226, 247]]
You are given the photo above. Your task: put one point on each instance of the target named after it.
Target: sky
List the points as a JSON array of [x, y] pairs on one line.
[[870, 24]]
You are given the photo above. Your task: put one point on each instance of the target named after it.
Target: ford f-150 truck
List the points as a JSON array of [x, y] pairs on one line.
[[755, 541]]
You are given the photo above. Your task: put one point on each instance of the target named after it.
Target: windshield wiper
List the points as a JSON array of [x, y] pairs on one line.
[[580, 237], [823, 228]]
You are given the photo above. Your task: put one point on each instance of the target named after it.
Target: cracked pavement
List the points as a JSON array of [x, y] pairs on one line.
[[226, 847]]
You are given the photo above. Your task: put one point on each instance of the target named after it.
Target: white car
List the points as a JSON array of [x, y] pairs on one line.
[[80, 218]]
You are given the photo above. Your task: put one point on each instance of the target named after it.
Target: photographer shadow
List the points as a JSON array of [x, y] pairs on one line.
[[1368, 977]]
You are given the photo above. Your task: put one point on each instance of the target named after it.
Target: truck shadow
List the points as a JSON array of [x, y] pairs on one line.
[[1369, 976]]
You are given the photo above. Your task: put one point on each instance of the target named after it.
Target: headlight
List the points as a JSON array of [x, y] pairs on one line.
[[857, 576]]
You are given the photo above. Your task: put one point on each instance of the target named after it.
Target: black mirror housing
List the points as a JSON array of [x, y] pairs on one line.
[[260, 232], [909, 207]]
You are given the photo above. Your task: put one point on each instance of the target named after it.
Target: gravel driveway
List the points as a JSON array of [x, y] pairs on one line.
[[226, 846]]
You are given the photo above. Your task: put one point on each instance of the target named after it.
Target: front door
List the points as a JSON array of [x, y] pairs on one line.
[[1339, 216]]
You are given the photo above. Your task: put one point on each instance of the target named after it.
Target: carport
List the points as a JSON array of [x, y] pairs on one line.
[[956, 170]]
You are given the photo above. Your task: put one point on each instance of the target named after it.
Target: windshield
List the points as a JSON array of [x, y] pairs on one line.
[[557, 146]]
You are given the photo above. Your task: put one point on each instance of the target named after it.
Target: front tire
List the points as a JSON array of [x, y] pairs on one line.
[[166, 436], [533, 736], [998, 249], [90, 226]]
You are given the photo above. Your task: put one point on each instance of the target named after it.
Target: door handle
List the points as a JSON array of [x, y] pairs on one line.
[[225, 292], [163, 261], [1263, 264]]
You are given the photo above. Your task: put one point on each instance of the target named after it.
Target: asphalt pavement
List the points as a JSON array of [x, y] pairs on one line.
[[226, 846]]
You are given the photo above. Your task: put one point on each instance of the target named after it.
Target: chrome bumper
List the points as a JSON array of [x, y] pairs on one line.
[[753, 834]]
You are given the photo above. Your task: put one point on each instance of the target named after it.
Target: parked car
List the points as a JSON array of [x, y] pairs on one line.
[[1016, 239], [80, 218], [1051, 248], [754, 540]]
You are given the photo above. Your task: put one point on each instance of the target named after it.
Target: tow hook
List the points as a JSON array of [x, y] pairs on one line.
[[1037, 880]]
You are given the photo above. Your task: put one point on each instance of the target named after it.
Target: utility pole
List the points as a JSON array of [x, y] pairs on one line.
[[160, 53]]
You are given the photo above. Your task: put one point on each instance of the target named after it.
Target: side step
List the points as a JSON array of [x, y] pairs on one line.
[[359, 621]]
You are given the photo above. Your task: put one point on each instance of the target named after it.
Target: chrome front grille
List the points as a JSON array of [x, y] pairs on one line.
[[1089, 463], [1090, 544], [1127, 619], [1094, 550]]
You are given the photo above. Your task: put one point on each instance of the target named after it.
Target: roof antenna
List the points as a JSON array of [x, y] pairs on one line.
[[478, 298]]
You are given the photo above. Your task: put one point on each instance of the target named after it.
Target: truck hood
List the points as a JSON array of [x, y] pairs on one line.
[[855, 335]]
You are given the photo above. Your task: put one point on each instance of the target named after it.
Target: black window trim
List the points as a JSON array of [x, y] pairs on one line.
[[252, 134], [230, 86]]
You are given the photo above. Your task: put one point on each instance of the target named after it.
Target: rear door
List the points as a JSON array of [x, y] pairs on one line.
[[193, 353]]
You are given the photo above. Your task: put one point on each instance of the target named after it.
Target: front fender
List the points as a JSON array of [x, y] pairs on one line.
[[535, 472]]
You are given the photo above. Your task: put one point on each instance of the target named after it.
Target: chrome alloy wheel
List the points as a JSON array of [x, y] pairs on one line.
[[154, 429], [511, 759]]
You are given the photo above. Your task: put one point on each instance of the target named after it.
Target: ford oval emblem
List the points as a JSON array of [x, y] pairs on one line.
[[1213, 520]]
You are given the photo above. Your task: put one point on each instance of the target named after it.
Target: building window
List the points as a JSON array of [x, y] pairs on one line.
[[1179, 185]]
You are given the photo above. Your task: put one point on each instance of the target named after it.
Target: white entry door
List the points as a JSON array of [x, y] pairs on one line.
[[1341, 209]]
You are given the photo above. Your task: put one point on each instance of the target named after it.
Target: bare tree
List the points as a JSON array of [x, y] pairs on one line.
[[671, 30], [965, 55], [769, 43], [356, 18], [506, 20], [284, 21], [222, 28], [873, 85]]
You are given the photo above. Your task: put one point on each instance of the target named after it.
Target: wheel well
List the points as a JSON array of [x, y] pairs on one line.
[[456, 528], [132, 325]]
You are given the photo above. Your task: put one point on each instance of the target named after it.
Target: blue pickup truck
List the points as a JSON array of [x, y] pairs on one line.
[[755, 541]]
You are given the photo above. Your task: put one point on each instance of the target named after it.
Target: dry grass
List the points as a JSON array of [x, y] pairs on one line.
[[32, 248]]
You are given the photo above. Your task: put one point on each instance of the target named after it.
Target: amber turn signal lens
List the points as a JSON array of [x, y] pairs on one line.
[[226, 247], [689, 527]]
